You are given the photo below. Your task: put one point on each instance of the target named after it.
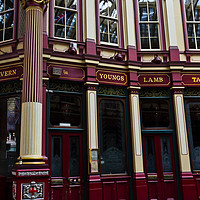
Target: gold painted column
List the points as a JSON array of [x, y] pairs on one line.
[[31, 174], [139, 179], [31, 117]]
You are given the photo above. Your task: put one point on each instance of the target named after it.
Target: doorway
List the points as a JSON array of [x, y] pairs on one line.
[[159, 166], [66, 169]]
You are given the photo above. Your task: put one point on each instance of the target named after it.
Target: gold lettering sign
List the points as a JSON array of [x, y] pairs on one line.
[[10, 73], [196, 79], [155, 80], [112, 77]]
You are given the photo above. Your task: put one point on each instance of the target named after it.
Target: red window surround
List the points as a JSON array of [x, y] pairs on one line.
[[79, 21]]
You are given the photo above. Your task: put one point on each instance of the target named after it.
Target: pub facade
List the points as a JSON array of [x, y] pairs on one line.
[[99, 99]]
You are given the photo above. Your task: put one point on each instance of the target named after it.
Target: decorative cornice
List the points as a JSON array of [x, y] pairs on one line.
[[41, 3]]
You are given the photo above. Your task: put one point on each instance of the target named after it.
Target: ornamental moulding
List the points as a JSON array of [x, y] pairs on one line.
[[40, 2]]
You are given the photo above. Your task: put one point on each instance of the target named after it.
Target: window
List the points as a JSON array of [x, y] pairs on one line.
[[155, 113], [65, 19], [148, 24], [6, 19], [108, 21], [9, 133], [193, 118], [192, 9], [65, 110], [112, 136]]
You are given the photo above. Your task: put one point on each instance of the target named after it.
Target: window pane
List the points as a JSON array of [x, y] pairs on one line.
[[9, 133], [166, 154], [112, 137], [71, 4], [1, 22], [65, 110], [56, 156], [70, 25], [9, 26], [145, 43], [103, 30], [9, 4], [112, 9], [188, 10], [154, 43], [152, 11], [191, 43], [103, 7], [60, 3], [74, 157], [197, 29], [190, 30], [143, 11], [198, 43], [113, 31], [150, 154], [153, 30], [1, 6], [155, 113], [193, 118], [144, 32], [59, 23], [197, 10]]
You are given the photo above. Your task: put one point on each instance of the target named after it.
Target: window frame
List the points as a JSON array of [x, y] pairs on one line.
[[15, 6], [79, 20], [120, 34], [161, 29], [185, 22]]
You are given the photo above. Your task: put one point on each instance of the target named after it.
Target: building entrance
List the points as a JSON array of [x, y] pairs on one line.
[[65, 161], [160, 166]]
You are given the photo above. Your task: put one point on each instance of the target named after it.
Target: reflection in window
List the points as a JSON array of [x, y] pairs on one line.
[[155, 113], [112, 137], [65, 19], [108, 21], [65, 110], [192, 9], [149, 25], [166, 154], [9, 133], [74, 156], [150, 154], [193, 119], [6, 19], [56, 156]]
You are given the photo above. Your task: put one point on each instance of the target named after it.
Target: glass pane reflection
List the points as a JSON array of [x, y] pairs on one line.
[[150, 154], [112, 137], [193, 118], [166, 154], [155, 113], [74, 157]]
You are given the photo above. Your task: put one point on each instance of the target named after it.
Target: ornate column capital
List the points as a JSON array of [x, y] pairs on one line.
[[40, 3]]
